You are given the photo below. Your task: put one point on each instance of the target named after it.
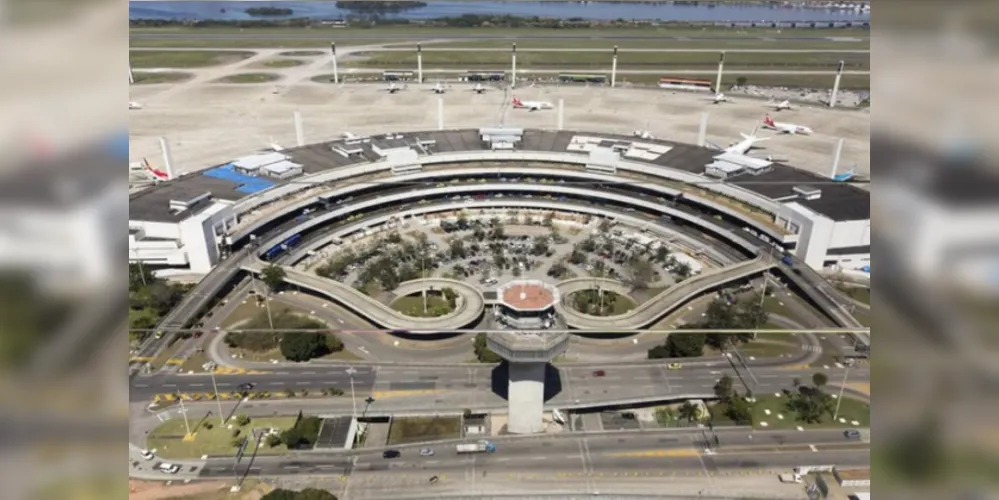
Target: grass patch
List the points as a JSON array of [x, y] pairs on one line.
[[850, 409], [168, 438], [302, 53], [412, 305], [247, 43], [858, 293], [194, 362], [151, 77], [419, 429], [184, 59], [848, 82], [249, 78], [283, 63], [326, 78], [613, 304], [600, 61], [771, 345], [166, 353]]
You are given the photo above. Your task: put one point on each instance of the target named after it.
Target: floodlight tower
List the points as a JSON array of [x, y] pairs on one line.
[[528, 306], [419, 63], [513, 65], [614, 68], [336, 74], [835, 89], [721, 67]]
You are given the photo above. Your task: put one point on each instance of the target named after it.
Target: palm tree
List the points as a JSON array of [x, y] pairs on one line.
[[796, 382], [689, 411]]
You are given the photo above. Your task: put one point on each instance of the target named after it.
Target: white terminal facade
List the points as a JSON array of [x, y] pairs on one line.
[[185, 222]]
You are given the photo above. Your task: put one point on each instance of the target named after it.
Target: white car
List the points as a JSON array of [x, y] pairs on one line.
[[168, 468], [146, 455], [426, 452]]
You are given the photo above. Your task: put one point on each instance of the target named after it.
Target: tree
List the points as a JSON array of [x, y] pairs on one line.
[[139, 276], [685, 345], [641, 272], [682, 270], [796, 382], [272, 440], [333, 343], [740, 411], [740, 81], [689, 411], [242, 420], [457, 249], [724, 389], [303, 346], [280, 494], [658, 352], [482, 351], [273, 276], [604, 226], [315, 494], [819, 379]]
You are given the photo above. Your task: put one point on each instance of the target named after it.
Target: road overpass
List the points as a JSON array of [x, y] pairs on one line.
[[469, 308], [662, 304]]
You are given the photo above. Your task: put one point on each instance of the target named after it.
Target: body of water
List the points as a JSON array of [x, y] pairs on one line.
[[702, 12]]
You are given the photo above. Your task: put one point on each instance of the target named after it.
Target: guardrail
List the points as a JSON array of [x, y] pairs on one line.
[[663, 303]]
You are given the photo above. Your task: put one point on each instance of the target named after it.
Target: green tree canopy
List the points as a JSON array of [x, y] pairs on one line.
[[482, 351], [273, 276], [304, 346]]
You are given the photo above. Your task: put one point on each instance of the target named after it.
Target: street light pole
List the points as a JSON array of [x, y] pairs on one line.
[[350, 373], [183, 411], [842, 388], [218, 399]]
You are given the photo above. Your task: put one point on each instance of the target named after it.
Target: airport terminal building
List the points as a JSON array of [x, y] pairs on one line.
[[190, 222]]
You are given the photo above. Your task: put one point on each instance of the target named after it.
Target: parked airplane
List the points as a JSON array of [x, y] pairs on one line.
[[785, 128], [747, 143], [845, 176], [393, 88], [719, 98], [643, 134], [478, 88], [439, 88], [134, 105], [780, 106], [532, 105], [158, 175]]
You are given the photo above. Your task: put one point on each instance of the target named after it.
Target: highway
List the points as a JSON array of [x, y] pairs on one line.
[[608, 49], [466, 382], [576, 463]]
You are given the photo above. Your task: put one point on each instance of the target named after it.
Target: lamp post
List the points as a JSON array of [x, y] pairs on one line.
[[842, 388], [183, 411], [350, 373], [218, 399]]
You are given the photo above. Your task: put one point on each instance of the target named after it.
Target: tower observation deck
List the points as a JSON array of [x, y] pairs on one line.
[[529, 308]]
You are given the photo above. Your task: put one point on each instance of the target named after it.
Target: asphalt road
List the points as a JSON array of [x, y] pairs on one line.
[[464, 383], [737, 449]]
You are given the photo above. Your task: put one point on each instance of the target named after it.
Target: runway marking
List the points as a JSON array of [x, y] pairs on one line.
[[673, 453], [404, 393]]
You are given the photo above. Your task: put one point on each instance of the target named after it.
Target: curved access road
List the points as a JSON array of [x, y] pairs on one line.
[[470, 304], [653, 309]]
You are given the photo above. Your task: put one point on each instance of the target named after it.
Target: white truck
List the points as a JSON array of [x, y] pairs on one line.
[[479, 447]]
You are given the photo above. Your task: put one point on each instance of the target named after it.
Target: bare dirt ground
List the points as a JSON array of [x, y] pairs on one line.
[[209, 490], [209, 123]]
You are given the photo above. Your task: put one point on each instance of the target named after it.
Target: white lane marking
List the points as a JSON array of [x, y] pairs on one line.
[[813, 448], [169, 385], [197, 385], [308, 373], [302, 383]]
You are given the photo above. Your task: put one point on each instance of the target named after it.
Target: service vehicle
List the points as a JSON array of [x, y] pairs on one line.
[[479, 447]]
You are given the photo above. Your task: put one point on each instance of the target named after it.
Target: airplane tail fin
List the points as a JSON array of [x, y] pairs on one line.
[[768, 120]]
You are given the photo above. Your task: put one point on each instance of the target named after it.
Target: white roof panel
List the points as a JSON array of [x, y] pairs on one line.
[[254, 162], [281, 167], [725, 166]]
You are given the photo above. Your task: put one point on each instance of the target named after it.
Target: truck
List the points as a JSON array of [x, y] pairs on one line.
[[479, 447]]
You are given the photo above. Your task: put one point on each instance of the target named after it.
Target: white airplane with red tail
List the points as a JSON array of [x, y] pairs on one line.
[[786, 128], [532, 105]]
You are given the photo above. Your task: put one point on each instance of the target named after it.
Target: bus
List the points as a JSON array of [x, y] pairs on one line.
[[396, 76], [484, 77], [686, 84], [281, 247], [567, 78]]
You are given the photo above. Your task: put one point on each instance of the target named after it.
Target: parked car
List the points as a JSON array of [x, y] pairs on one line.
[[853, 434], [426, 452], [168, 468], [389, 454], [147, 455]]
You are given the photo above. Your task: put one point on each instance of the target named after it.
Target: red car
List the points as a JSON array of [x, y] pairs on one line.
[[599, 373]]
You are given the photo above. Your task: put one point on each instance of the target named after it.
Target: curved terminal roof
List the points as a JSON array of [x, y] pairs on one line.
[[838, 201]]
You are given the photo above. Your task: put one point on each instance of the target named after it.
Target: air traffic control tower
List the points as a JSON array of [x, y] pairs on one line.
[[528, 308]]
